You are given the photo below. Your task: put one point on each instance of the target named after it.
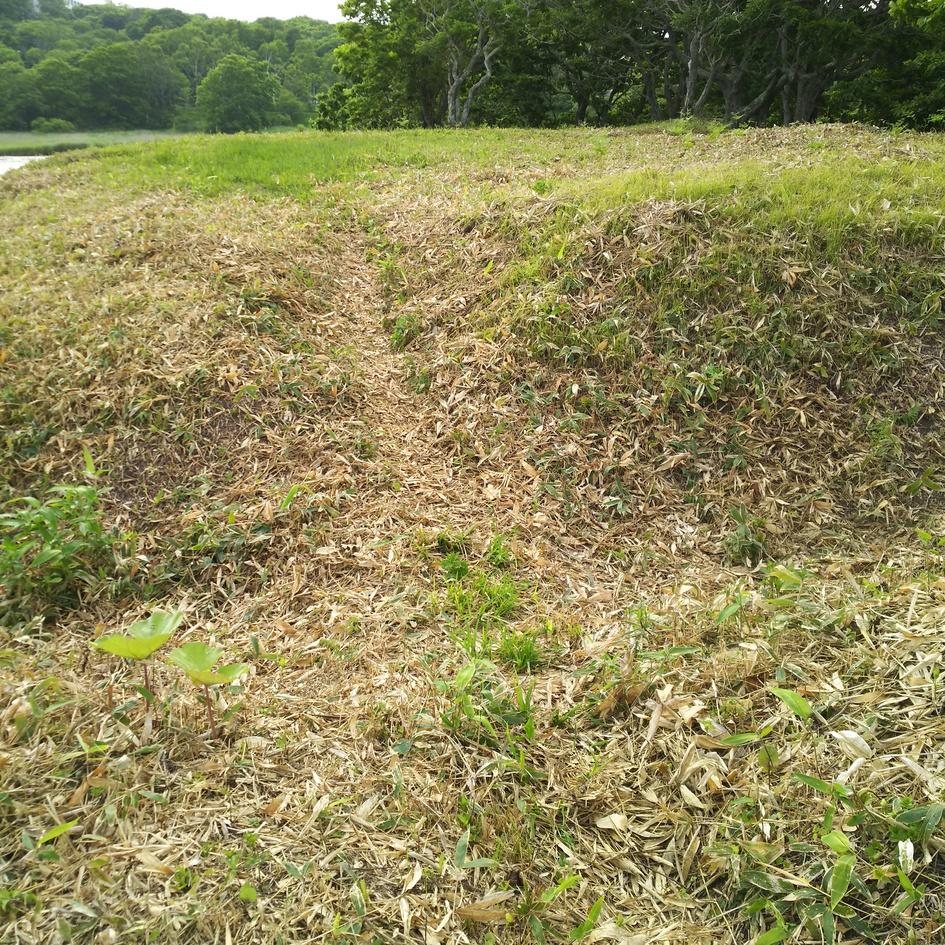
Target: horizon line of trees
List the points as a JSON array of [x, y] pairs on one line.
[[540, 63]]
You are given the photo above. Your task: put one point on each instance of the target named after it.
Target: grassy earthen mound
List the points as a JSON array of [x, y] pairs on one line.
[[571, 498]]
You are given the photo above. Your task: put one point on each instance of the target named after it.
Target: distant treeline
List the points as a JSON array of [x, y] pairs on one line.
[[106, 66], [459, 62]]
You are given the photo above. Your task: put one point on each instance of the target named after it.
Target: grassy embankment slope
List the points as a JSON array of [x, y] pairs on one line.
[[521, 468]]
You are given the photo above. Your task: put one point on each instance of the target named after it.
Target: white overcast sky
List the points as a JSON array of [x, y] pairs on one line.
[[250, 9]]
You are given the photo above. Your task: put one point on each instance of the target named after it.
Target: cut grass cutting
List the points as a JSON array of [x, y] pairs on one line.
[[482, 537]]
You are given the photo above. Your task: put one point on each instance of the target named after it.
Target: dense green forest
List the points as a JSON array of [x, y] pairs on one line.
[[459, 62], [551, 62], [107, 66]]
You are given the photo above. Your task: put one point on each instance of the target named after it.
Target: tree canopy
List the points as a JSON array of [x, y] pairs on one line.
[[106, 66], [548, 62], [237, 94], [460, 62]]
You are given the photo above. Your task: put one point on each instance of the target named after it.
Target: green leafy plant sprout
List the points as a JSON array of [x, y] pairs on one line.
[[794, 701], [583, 929], [745, 544], [454, 566], [498, 553], [532, 907], [483, 710], [406, 329], [199, 662], [141, 640], [833, 886], [460, 855]]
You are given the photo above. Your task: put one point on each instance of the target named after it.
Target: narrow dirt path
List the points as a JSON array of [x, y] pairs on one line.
[[418, 435], [451, 459]]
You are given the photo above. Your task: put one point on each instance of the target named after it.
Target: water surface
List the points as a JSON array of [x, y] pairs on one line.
[[9, 163]]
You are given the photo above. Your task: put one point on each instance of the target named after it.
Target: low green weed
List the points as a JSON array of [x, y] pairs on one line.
[[449, 541], [206, 544], [520, 649], [499, 554], [418, 379], [406, 329], [483, 709], [863, 862], [52, 551], [454, 566], [745, 543], [478, 604], [533, 906]]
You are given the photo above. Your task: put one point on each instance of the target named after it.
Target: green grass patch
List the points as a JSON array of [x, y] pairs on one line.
[[295, 163], [28, 143], [826, 201]]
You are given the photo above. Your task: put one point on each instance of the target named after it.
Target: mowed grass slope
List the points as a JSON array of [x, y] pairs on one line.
[[573, 499], [297, 163]]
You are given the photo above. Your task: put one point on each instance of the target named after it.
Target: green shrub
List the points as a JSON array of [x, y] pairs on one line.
[[51, 550], [48, 126]]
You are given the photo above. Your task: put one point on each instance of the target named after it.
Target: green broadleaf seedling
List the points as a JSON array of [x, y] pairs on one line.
[[460, 858], [142, 639], [840, 878], [199, 662], [794, 701], [773, 936], [837, 841], [582, 930]]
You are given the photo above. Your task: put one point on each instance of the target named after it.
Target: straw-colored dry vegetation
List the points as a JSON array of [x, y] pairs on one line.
[[574, 500]]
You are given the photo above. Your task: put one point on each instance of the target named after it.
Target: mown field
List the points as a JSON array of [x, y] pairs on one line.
[[568, 505]]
